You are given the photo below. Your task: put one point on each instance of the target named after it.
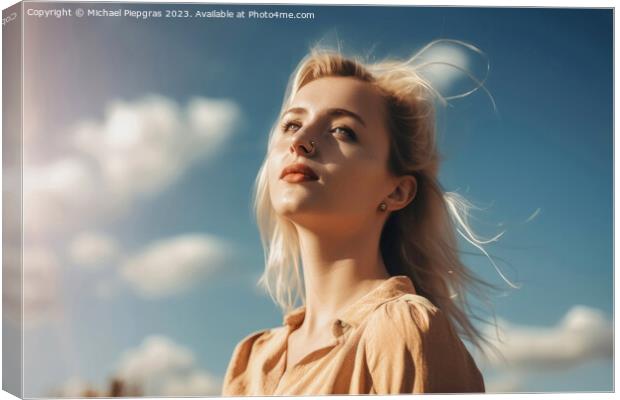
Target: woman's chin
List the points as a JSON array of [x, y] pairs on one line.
[[291, 210], [298, 213]]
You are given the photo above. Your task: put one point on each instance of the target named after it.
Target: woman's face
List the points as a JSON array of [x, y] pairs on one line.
[[345, 118]]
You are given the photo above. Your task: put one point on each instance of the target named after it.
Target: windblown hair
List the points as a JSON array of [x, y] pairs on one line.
[[418, 240]]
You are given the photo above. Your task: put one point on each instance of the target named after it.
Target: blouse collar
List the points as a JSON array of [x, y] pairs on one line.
[[355, 313]]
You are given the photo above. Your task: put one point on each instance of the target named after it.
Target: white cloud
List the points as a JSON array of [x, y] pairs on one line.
[[32, 285], [93, 249], [41, 292], [156, 367], [138, 150], [505, 383], [197, 383], [170, 266], [164, 368], [582, 335], [57, 195], [155, 358], [440, 70], [144, 146]]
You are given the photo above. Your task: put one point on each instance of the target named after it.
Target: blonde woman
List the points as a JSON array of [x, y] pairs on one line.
[[355, 223]]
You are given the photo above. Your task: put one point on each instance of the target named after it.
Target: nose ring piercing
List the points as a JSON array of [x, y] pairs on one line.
[[312, 143]]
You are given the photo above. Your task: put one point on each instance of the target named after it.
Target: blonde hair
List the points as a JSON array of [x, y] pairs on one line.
[[419, 240]]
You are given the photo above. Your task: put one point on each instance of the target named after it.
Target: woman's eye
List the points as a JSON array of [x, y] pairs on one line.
[[346, 131], [287, 124]]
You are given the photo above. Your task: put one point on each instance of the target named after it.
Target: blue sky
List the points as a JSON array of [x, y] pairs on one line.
[[110, 223]]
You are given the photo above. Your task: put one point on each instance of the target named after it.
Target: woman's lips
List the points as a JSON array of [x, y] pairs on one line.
[[296, 177]]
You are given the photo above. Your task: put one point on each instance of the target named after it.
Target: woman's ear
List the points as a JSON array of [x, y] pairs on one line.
[[403, 194]]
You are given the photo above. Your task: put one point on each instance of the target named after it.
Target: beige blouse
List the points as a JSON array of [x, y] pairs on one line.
[[389, 341]]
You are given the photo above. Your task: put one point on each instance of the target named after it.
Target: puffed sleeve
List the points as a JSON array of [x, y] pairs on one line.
[[239, 363], [412, 348]]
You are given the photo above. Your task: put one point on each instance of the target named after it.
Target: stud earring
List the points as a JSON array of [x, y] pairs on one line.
[[382, 206]]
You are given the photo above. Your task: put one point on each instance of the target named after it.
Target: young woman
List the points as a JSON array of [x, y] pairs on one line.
[[351, 211]]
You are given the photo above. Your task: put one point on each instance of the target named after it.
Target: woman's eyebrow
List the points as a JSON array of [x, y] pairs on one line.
[[329, 111]]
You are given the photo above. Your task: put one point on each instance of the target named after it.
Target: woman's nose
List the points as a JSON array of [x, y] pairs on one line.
[[303, 143]]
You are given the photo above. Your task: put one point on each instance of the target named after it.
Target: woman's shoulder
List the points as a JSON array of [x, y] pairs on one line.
[[417, 339], [250, 347], [255, 339], [406, 313], [412, 324]]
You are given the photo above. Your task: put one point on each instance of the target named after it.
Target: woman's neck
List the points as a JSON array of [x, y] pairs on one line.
[[337, 271]]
